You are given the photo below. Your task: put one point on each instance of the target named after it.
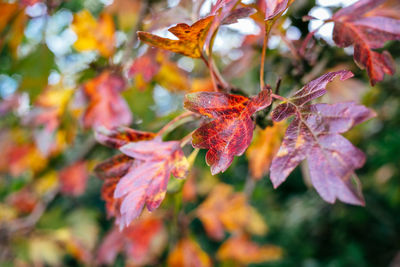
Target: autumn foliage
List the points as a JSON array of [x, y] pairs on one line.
[[152, 133]]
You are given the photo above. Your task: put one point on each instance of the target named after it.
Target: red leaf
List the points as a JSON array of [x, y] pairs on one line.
[[362, 25], [117, 137], [116, 166], [73, 179], [231, 131], [146, 65], [315, 135], [106, 106], [113, 169], [146, 180]]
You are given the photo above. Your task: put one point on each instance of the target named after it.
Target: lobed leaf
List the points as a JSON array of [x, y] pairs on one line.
[[310, 91], [364, 27], [190, 38], [314, 135], [146, 181], [231, 131]]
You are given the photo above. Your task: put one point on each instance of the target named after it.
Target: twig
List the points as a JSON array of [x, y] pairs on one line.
[[268, 26]]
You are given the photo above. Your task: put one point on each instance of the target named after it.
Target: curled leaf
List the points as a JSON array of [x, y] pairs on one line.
[[363, 26], [190, 38]]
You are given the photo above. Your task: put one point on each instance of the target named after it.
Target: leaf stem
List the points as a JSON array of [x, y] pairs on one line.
[[174, 123], [279, 97], [264, 48], [186, 139]]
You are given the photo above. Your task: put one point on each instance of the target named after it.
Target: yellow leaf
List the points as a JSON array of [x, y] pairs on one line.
[[46, 183], [44, 251], [191, 38], [94, 34], [263, 148], [171, 77]]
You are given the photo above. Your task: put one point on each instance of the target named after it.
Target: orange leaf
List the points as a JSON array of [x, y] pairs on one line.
[[191, 38], [264, 148], [188, 253], [242, 250], [7, 11], [94, 34], [226, 210]]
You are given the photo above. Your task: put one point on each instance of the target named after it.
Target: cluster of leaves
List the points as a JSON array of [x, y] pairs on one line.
[[53, 132]]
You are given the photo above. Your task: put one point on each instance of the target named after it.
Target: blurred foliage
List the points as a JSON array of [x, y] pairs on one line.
[[51, 207]]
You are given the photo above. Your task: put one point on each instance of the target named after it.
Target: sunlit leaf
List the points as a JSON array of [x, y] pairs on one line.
[[231, 131], [191, 38]]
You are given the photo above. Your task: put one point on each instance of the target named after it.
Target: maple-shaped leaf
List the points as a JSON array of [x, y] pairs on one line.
[[231, 131], [114, 168], [106, 105], [314, 134], [146, 181], [190, 38], [242, 250], [142, 242], [362, 26], [225, 209], [188, 253], [263, 149]]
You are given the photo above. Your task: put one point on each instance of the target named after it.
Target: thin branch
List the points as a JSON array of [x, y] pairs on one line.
[[268, 26], [279, 97]]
